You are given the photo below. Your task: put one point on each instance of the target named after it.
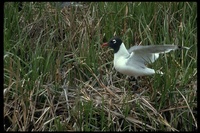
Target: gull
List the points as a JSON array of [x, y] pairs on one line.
[[132, 62]]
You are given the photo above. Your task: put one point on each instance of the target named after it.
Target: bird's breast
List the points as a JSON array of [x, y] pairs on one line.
[[120, 64]]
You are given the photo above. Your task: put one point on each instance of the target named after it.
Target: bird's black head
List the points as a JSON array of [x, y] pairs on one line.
[[114, 43]]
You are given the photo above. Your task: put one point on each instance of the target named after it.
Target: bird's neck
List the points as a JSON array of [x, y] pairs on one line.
[[122, 51]]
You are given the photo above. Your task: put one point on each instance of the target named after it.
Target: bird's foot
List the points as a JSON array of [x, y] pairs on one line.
[[134, 85]]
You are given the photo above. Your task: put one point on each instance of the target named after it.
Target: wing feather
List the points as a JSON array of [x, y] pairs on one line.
[[154, 48]]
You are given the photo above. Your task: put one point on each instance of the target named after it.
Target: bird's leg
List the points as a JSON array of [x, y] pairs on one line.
[[135, 86], [136, 81]]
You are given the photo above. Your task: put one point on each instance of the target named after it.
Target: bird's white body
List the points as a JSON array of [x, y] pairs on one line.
[[126, 63]]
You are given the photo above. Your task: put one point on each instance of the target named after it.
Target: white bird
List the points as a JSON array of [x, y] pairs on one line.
[[133, 62]]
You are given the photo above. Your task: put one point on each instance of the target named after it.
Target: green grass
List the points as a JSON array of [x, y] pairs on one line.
[[57, 77]]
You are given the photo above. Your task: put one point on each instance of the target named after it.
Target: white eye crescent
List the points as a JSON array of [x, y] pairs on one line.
[[114, 41]]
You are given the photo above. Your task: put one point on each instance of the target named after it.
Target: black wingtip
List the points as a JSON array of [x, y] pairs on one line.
[[182, 47]]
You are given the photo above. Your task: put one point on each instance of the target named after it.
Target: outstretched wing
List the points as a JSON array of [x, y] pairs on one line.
[[154, 48], [148, 54]]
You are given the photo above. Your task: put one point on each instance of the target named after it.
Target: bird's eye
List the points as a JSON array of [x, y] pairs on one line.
[[114, 41]]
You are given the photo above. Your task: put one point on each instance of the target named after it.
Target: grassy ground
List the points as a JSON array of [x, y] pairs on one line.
[[58, 78]]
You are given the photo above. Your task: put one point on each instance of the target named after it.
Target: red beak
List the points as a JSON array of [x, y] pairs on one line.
[[104, 44]]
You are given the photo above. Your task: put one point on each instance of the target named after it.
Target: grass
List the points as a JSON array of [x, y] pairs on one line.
[[58, 78]]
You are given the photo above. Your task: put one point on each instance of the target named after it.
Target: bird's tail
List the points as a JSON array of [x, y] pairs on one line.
[[159, 72]]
